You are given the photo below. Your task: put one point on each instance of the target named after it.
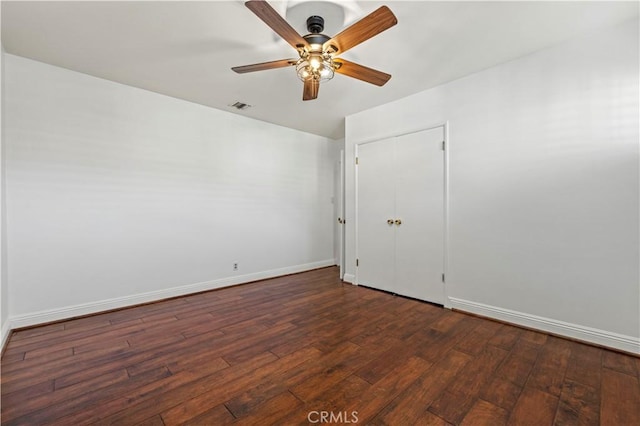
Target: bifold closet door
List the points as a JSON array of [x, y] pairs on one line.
[[419, 199], [376, 205], [400, 215]]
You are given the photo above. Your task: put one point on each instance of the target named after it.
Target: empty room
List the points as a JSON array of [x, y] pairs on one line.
[[320, 212]]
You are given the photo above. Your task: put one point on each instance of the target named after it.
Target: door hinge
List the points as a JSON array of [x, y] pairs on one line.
[[356, 160], [442, 277], [443, 145], [357, 262]]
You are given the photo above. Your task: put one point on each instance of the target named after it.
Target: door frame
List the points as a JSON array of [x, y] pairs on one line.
[[445, 213]]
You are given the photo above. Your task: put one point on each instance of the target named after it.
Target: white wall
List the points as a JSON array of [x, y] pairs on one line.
[[543, 186], [117, 195], [4, 289]]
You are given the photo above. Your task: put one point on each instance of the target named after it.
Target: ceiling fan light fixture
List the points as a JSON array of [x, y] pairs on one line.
[[315, 66]]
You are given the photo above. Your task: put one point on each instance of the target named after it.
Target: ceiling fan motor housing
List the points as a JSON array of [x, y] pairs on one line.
[[315, 24]]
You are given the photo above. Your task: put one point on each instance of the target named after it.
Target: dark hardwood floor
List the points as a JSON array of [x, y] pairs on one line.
[[302, 349]]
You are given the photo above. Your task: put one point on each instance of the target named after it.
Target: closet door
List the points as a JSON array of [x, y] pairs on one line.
[[376, 205], [419, 176]]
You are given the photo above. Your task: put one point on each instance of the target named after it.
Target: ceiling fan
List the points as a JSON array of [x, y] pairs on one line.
[[317, 51]]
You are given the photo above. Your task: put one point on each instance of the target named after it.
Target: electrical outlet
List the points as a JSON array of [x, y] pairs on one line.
[[235, 266]]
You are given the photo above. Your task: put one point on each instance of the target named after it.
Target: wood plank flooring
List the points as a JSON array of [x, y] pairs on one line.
[[307, 349]]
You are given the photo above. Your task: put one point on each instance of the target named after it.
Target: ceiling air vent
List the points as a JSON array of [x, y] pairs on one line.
[[240, 105]]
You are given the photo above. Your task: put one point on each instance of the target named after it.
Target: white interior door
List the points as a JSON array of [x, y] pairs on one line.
[[341, 227], [376, 205], [419, 172]]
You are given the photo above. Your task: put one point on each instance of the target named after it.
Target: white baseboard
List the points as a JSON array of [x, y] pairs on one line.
[[43, 317], [349, 278], [4, 334], [574, 331]]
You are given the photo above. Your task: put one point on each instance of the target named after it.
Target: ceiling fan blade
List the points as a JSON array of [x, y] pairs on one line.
[[311, 88], [376, 22], [264, 11], [351, 69], [265, 66]]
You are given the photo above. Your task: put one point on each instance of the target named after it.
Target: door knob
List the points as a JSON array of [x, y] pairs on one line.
[[390, 221], [398, 222]]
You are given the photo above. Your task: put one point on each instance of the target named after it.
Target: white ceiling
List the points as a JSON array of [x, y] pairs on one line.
[[186, 49]]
